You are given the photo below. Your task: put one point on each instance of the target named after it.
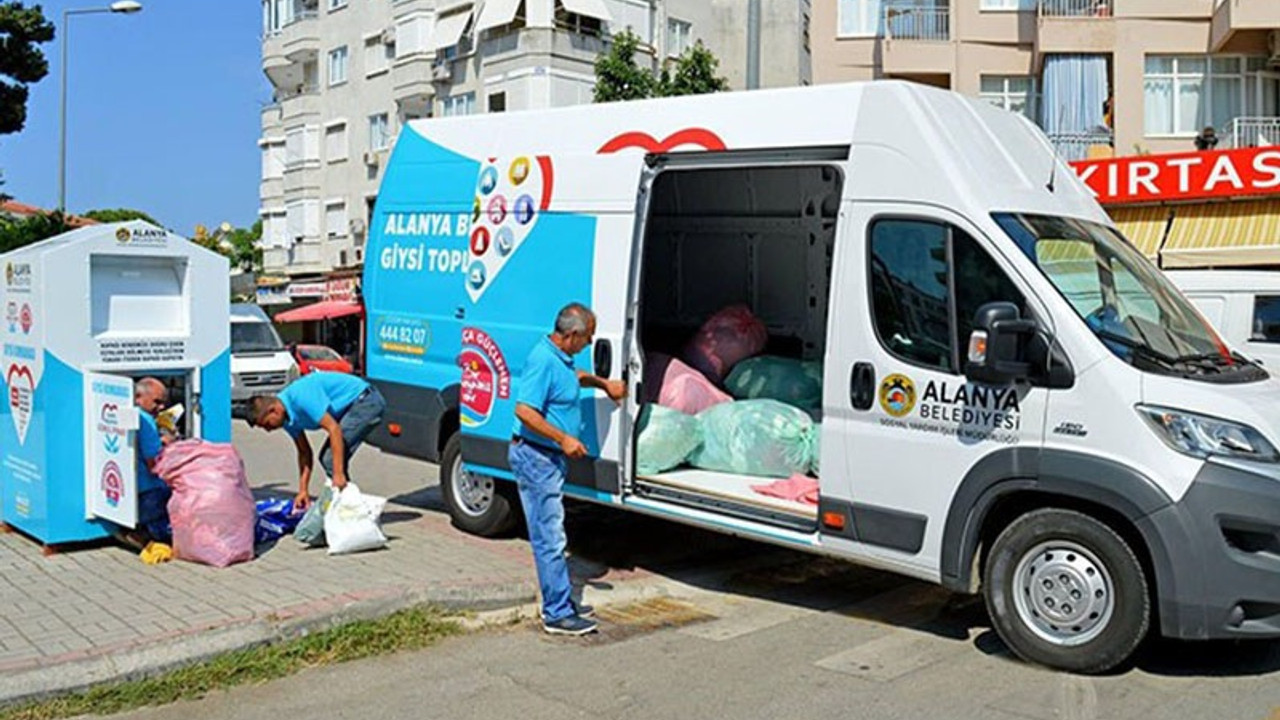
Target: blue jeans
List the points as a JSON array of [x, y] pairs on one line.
[[540, 476], [153, 514], [357, 422]]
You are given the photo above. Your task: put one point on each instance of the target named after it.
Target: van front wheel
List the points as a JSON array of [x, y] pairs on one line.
[[1066, 591], [478, 504]]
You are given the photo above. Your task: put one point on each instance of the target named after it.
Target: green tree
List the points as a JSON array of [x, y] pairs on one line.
[[239, 245], [22, 31], [120, 215], [20, 232], [695, 74], [618, 77]]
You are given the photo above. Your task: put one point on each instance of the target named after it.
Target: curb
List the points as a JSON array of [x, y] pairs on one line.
[[153, 657]]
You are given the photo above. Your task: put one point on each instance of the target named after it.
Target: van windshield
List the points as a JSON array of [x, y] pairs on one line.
[[1125, 300], [251, 337]]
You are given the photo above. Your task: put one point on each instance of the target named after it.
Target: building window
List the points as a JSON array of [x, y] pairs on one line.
[[302, 219], [464, 104], [335, 218], [274, 16], [679, 37], [498, 102], [376, 59], [272, 159], [337, 4], [1016, 93], [1184, 94], [338, 66], [1008, 5], [379, 132], [302, 147], [336, 148], [275, 231], [860, 18]]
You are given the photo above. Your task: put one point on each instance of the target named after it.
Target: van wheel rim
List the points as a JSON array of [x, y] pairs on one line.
[[1063, 593], [473, 492]]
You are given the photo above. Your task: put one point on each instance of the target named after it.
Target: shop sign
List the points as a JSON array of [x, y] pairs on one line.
[[306, 290], [1183, 176], [273, 296], [340, 289]]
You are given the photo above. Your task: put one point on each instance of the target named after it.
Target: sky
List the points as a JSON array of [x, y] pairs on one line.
[[163, 114]]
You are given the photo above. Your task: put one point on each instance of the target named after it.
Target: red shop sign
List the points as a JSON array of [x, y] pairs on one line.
[[1183, 176]]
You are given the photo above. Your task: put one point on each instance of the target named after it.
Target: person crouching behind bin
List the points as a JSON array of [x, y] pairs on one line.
[[149, 395], [545, 437], [346, 407]]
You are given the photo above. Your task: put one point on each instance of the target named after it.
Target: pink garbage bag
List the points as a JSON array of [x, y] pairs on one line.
[[725, 339], [673, 384], [212, 509]]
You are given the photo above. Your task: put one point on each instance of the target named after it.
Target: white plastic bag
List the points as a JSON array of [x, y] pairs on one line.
[[351, 522]]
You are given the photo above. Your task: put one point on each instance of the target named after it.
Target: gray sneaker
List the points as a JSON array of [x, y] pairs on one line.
[[572, 625]]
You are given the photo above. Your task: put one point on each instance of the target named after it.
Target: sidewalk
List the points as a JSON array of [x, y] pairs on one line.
[[100, 614]]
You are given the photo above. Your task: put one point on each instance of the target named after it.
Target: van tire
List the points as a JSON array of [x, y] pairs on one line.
[[1050, 558], [480, 505]]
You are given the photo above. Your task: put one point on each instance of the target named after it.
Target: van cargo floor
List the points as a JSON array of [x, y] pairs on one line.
[[733, 488]]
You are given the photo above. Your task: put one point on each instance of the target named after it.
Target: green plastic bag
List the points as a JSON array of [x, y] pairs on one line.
[[667, 437], [756, 437], [310, 530], [794, 382]]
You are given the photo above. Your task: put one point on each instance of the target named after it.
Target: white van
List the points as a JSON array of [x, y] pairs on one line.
[[1244, 305], [1015, 401], [260, 362]]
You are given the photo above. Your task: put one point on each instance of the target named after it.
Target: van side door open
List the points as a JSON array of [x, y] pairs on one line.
[[911, 279]]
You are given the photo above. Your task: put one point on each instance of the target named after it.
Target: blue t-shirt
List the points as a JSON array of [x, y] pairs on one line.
[[308, 398], [149, 447], [550, 386]]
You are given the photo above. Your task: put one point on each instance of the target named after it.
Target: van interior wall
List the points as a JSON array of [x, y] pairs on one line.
[[759, 236]]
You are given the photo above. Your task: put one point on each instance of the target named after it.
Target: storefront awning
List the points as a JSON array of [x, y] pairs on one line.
[[1143, 226], [497, 13], [1223, 235], [590, 8], [320, 311]]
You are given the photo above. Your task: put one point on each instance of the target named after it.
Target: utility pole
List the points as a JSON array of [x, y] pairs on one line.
[[753, 44]]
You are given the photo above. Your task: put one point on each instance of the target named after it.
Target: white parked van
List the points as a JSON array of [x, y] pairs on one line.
[[1244, 305], [260, 362], [1015, 402]]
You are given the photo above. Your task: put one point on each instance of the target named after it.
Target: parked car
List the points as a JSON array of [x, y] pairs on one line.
[[260, 363], [1244, 306], [320, 357]]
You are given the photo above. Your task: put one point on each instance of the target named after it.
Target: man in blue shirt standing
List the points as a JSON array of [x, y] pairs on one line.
[[548, 421], [346, 407]]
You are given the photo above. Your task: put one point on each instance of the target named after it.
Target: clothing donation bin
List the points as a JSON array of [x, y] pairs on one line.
[[86, 314]]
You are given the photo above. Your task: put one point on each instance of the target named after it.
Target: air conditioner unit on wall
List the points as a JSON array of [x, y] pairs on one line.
[[371, 158], [356, 225], [442, 71], [389, 35]]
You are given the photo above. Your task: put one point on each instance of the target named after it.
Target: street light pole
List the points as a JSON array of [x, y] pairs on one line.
[[124, 7]]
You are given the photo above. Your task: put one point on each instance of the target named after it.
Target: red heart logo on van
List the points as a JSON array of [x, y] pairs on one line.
[[701, 137]]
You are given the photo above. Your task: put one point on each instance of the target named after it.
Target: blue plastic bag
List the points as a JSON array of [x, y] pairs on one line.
[[275, 519]]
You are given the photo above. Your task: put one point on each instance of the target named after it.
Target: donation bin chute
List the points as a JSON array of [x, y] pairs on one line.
[[86, 314]]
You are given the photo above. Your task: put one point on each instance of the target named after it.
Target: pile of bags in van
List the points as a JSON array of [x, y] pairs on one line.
[[726, 407]]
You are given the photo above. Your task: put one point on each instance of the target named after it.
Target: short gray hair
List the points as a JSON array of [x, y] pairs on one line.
[[574, 319], [149, 383]]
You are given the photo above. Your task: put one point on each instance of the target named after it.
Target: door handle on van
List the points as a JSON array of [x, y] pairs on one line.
[[862, 386], [603, 358]]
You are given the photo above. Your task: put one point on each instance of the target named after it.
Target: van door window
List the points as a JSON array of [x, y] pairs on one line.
[[914, 265], [1266, 319]]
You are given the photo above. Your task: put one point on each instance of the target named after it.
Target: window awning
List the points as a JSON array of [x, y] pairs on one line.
[[589, 8], [449, 29], [1224, 234], [497, 13], [326, 310], [1143, 226]]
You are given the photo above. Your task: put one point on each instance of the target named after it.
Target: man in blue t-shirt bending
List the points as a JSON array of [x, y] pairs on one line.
[[344, 406]]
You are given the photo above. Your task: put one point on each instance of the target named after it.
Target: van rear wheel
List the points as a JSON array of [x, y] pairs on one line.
[[478, 504], [1066, 591]]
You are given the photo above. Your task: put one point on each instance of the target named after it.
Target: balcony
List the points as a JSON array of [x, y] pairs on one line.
[[1083, 146], [916, 41], [1234, 18], [1248, 132], [303, 258], [301, 103], [271, 189], [1075, 26], [918, 22], [301, 33], [301, 176], [413, 77], [401, 8]]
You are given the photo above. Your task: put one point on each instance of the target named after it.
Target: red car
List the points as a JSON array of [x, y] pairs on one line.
[[320, 357]]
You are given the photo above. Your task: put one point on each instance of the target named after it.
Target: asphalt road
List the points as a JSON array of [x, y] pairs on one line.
[[719, 627]]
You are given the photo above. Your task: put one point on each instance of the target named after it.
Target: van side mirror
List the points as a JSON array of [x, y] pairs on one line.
[[997, 346]]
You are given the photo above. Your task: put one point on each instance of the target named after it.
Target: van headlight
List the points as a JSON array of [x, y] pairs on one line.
[[293, 373], [1202, 437]]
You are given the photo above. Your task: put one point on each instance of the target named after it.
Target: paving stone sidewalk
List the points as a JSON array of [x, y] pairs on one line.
[[97, 614]]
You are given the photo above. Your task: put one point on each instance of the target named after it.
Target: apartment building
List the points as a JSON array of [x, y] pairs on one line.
[[348, 74], [1100, 76]]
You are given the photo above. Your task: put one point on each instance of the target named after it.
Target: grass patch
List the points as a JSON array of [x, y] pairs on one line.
[[411, 629]]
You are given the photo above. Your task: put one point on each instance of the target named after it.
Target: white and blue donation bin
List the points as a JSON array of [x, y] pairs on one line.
[[86, 314]]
